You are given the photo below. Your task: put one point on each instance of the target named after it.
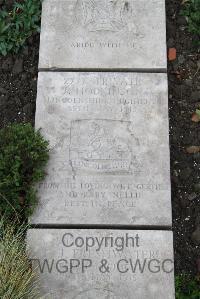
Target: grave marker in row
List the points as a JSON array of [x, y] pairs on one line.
[[107, 125], [103, 34], [101, 264], [109, 144]]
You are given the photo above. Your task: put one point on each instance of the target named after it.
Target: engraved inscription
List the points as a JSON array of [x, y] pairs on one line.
[[108, 139], [86, 294], [96, 293]]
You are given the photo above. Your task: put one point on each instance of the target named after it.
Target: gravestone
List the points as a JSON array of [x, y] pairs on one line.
[[109, 35], [105, 114], [114, 264], [109, 161]]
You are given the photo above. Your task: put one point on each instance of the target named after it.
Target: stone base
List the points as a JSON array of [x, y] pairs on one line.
[[100, 264]]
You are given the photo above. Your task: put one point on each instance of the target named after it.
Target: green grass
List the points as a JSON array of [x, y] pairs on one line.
[[17, 25], [187, 287], [191, 11], [23, 156], [17, 279]]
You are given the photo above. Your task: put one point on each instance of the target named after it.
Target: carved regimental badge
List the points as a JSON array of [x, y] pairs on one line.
[[102, 146], [104, 15]]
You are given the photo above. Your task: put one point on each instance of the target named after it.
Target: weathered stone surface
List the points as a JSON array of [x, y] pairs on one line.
[[100, 264], [103, 34], [108, 135]]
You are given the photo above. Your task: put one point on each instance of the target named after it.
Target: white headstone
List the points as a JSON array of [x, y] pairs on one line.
[[109, 161], [103, 34]]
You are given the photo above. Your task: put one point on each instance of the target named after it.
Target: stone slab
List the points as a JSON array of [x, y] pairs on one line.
[[109, 160], [103, 34], [102, 264]]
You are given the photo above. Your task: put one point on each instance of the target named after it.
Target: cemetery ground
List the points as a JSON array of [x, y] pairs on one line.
[[18, 87]]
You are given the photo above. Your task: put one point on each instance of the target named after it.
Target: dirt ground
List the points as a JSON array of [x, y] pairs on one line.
[[184, 99]]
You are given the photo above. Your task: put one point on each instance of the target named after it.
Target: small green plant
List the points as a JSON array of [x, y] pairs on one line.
[[192, 13], [19, 24], [23, 156], [198, 112], [17, 279], [187, 287]]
